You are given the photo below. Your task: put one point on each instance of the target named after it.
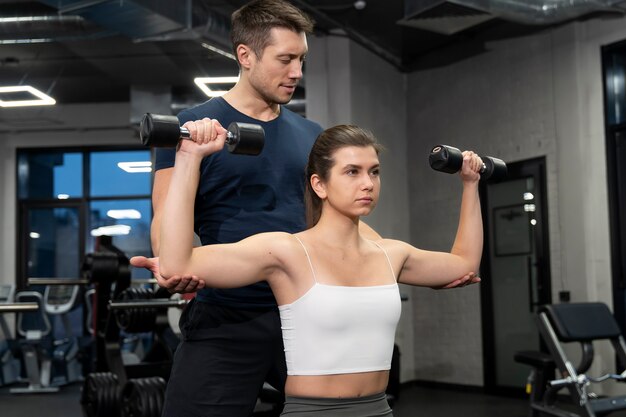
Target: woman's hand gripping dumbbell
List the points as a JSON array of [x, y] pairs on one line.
[[163, 131], [449, 159]]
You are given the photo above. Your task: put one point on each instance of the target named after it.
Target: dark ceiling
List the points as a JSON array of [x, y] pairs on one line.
[[96, 50]]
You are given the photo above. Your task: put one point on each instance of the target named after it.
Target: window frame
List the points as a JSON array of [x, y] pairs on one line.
[[83, 203]]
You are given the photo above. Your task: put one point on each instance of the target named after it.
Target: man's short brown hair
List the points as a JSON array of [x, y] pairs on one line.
[[252, 23]]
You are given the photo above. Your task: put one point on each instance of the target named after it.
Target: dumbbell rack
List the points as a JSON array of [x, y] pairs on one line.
[[114, 388]]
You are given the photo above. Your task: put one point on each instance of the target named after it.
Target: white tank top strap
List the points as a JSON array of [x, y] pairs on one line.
[[393, 274], [307, 257]]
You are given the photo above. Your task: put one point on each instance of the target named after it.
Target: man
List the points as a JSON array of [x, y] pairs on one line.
[[232, 339]]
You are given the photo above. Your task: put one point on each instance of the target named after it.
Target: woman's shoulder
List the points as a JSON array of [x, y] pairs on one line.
[[393, 245], [388, 242], [276, 241], [271, 238]]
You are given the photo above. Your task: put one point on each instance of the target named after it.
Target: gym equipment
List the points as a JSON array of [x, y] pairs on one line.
[[59, 300], [90, 295], [100, 395], [116, 387], [163, 131], [143, 397], [34, 326], [565, 323], [449, 159], [9, 364]]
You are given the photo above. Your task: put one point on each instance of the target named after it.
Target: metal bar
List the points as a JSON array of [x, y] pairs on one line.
[[57, 281], [126, 305], [79, 281], [565, 367], [18, 307], [143, 281]]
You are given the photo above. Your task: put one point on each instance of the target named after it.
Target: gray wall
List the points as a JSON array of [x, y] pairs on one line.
[[535, 96]]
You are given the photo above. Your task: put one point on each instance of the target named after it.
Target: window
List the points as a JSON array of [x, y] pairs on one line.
[[72, 200]]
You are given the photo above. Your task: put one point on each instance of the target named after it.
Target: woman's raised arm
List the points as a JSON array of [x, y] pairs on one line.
[[430, 269]]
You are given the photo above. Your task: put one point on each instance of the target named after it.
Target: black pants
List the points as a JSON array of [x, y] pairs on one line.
[[224, 358]]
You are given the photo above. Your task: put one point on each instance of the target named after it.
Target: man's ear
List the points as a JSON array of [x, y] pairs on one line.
[[318, 186], [244, 55]]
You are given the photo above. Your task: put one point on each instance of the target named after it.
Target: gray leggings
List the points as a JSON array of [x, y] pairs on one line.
[[371, 406]]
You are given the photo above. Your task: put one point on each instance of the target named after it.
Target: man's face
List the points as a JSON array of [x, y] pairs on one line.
[[276, 73]]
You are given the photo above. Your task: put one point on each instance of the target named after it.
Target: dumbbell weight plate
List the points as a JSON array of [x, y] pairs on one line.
[[159, 131], [494, 170], [445, 159], [100, 395], [253, 138]]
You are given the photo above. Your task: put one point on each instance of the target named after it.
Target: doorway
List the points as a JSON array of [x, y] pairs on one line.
[[515, 270]]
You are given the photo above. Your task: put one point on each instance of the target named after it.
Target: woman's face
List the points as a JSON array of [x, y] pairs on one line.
[[353, 184]]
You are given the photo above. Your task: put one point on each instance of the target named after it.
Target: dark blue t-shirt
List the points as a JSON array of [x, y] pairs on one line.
[[241, 195]]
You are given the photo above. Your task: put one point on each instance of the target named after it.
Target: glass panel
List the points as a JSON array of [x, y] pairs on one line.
[[615, 89], [513, 209], [53, 242], [124, 224], [53, 251], [50, 175], [620, 202], [120, 173]]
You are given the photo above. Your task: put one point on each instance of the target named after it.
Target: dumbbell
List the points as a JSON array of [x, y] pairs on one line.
[[450, 159], [164, 131]]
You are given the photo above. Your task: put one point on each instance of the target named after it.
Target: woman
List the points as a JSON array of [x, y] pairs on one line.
[[337, 291]]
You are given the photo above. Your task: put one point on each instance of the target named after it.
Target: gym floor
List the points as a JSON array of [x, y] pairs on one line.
[[414, 402]]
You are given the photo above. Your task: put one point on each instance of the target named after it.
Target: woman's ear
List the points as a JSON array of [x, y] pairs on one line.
[[244, 55], [318, 186]]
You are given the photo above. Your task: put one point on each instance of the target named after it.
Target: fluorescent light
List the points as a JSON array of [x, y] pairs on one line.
[[202, 82], [44, 99], [44, 18], [528, 196], [219, 51], [21, 41], [24, 19], [124, 214], [114, 230], [529, 207], [63, 196], [34, 235], [136, 166]]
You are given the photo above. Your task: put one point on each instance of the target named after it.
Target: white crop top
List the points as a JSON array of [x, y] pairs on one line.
[[335, 329]]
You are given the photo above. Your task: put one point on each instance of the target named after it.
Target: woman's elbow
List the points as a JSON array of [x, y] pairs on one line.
[[168, 270]]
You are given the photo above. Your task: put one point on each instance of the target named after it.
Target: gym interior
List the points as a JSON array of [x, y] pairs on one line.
[[539, 85]]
